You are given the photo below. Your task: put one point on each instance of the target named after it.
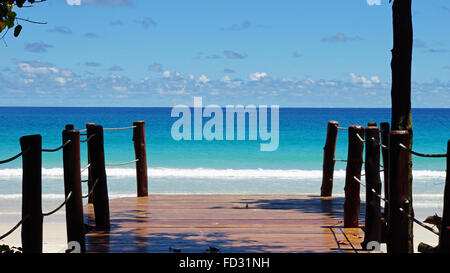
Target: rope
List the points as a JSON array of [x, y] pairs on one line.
[[116, 129], [88, 139], [420, 154], [85, 168], [365, 174], [401, 209], [121, 164], [14, 228], [360, 138], [379, 144], [112, 129], [12, 158], [340, 160], [342, 128], [57, 149], [85, 181], [92, 189], [60, 206], [419, 223], [372, 190]]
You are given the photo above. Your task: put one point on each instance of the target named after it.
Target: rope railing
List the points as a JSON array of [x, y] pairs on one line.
[[12, 158], [365, 174], [360, 138], [420, 154], [85, 168], [112, 129], [401, 209], [92, 189], [59, 207], [379, 144], [117, 129], [342, 128], [14, 228], [340, 160], [121, 164], [88, 139], [57, 149]]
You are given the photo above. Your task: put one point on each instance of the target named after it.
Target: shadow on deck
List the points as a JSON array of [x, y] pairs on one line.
[[229, 223]]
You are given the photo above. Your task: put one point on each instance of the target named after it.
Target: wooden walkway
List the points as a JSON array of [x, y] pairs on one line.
[[230, 223]]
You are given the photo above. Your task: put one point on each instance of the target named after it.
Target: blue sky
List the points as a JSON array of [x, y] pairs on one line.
[[322, 53]]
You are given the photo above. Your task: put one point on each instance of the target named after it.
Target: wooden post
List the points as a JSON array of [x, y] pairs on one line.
[[385, 131], [352, 188], [90, 198], [32, 193], [100, 192], [141, 156], [372, 124], [72, 183], [444, 239], [328, 159], [70, 127], [373, 181], [401, 115], [398, 225]]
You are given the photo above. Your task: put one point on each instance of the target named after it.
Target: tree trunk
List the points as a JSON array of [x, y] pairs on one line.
[[401, 79]]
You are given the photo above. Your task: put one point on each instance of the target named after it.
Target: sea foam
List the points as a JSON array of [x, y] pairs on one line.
[[207, 173]]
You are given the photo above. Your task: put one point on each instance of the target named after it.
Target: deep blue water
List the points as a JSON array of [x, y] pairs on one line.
[[302, 136]]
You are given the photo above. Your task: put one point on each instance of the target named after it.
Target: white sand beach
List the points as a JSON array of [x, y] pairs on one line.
[[55, 236]]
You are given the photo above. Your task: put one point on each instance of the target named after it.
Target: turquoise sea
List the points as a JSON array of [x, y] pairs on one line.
[[205, 167]]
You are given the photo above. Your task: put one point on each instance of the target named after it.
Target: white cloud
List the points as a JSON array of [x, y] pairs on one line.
[[373, 2], [257, 76], [120, 88], [100, 3], [365, 82], [36, 68], [203, 79], [46, 83], [73, 2], [60, 80], [225, 79], [166, 74]]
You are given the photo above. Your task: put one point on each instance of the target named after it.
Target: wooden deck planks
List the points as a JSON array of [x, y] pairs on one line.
[[193, 223]]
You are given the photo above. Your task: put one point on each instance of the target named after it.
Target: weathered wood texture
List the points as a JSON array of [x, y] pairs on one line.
[[231, 223], [398, 225], [100, 199], [328, 159], [141, 156], [354, 165], [373, 182], [385, 132], [72, 183]]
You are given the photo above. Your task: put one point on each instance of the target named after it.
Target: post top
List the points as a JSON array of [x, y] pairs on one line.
[[399, 132], [356, 127], [333, 122], [372, 128]]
